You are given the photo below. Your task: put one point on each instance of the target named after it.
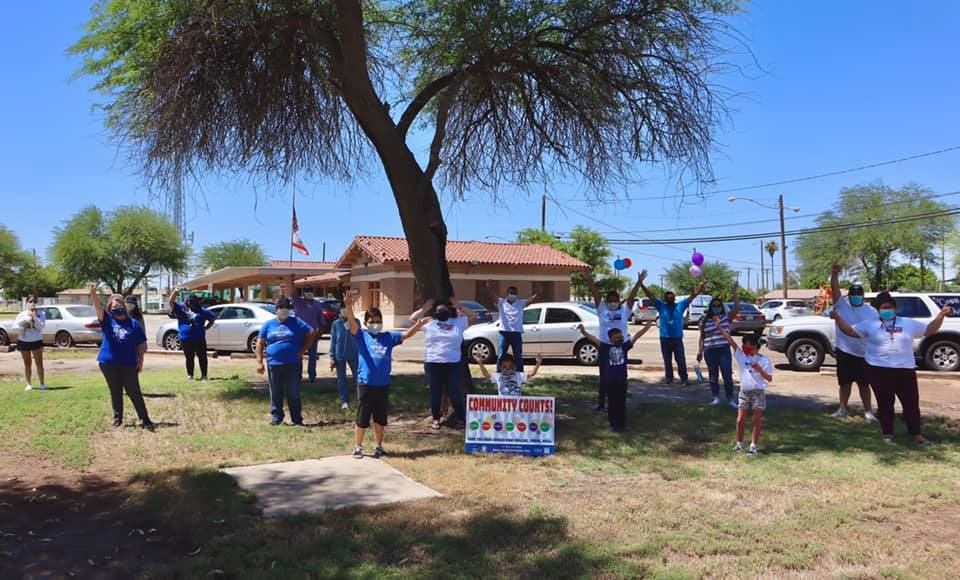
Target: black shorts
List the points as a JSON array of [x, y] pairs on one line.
[[24, 346], [851, 369], [374, 401]]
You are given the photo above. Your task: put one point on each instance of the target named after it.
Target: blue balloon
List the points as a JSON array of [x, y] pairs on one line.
[[620, 265]]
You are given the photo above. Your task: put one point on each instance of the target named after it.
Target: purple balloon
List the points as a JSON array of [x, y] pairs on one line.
[[697, 258], [695, 271]]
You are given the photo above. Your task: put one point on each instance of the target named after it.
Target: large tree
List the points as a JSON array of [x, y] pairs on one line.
[[719, 277], [118, 249], [505, 92], [234, 253], [871, 252], [12, 260]]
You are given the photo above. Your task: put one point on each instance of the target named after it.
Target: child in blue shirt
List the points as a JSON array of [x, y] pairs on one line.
[[613, 371]]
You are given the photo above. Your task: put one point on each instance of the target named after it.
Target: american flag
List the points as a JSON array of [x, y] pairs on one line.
[[295, 240]]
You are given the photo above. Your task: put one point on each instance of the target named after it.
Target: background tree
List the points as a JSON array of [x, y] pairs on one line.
[[588, 246], [719, 276], [37, 280], [870, 252], [771, 248], [12, 260], [907, 277], [118, 249], [509, 92], [234, 253]]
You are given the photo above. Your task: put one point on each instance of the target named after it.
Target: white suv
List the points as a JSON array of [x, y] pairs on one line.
[[807, 340], [774, 310]]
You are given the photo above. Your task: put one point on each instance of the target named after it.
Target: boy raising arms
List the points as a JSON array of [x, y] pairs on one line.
[[613, 371], [508, 379], [756, 373]]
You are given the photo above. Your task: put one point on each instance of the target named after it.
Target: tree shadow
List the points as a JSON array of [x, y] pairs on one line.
[[160, 395]]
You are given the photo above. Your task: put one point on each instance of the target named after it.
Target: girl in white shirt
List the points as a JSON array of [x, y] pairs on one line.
[[891, 365], [29, 324]]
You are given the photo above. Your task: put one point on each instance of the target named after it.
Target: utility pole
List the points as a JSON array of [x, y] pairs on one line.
[[943, 261], [763, 270], [748, 277], [543, 213], [783, 249], [323, 257]]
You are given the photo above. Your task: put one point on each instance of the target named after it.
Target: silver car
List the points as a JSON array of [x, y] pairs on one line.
[[236, 328], [67, 325], [549, 328]]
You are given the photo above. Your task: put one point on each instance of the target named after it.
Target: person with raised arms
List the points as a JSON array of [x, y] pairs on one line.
[[672, 315], [850, 352], [613, 312], [193, 322]]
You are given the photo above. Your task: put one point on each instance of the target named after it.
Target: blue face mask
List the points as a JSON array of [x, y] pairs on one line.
[[717, 309], [856, 300], [888, 313], [118, 311]]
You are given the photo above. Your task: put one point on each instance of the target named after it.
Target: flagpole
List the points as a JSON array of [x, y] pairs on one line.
[[293, 208]]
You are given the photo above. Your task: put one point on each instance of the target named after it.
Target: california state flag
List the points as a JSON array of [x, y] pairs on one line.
[[295, 240]]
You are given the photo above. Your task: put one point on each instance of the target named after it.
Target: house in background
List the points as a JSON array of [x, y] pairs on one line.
[[380, 268]]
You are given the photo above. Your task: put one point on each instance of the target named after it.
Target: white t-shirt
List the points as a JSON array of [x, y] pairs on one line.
[[853, 315], [750, 379], [610, 319], [442, 340], [509, 385], [890, 344], [30, 328], [511, 315]]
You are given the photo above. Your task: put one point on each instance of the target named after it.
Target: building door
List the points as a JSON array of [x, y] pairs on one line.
[[373, 295], [545, 291], [482, 294]]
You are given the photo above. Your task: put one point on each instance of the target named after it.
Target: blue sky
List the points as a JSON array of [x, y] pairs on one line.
[[840, 84]]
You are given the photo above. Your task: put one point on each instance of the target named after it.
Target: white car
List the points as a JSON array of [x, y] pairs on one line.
[[236, 328], [807, 340], [549, 328], [67, 324], [774, 310]]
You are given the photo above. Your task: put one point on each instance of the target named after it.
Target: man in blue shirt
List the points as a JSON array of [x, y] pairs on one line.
[[671, 328], [310, 311], [343, 352], [193, 322], [284, 340], [375, 352]]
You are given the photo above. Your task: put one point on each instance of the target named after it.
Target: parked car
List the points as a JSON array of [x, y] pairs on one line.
[[698, 306], [67, 325], [549, 328], [235, 329], [776, 309], [749, 319], [807, 340], [644, 311], [484, 315]]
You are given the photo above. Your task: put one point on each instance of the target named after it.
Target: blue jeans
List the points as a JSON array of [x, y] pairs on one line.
[[515, 341], [673, 348], [720, 361], [285, 383], [445, 376], [312, 361], [342, 385]]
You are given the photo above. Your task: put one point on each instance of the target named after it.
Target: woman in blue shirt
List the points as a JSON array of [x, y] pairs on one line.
[[121, 355], [284, 340], [193, 322]]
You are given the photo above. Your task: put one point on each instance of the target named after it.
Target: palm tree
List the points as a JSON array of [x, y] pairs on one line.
[[771, 247]]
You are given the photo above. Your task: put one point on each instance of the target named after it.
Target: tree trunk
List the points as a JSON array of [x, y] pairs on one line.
[[922, 271]]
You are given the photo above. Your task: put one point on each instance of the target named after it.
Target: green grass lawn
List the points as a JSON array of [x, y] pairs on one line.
[[667, 499]]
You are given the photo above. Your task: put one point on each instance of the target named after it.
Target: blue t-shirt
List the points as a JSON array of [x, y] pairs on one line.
[[192, 325], [613, 361], [120, 341], [284, 340], [671, 320], [375, 353]]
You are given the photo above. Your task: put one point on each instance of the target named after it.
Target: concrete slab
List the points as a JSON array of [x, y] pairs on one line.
[[332, 483]]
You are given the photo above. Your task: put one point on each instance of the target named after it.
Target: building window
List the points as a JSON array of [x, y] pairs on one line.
[[374, 295]]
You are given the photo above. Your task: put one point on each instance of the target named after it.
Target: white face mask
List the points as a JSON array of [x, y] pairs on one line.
[[511, 298], [308, 295], [613, 305], [375, 327], [283, 313]]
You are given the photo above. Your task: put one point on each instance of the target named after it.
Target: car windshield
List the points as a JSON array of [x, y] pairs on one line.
[[271, 308], [82, 311], [589, 308], [744, 307]]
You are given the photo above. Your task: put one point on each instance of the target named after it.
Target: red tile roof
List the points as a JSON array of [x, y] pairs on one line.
[[302, 264], [328, 278], [391, 250]]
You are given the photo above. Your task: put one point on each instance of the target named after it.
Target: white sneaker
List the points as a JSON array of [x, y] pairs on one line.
[[43, 387], [715, 401], [344, 406], [870, 417], [753, 450], [738, 447], [733, 404], [29, 387], [840, 414]]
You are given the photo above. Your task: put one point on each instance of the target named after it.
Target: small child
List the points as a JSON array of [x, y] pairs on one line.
[[613, 371], [756, 373], [509, 380]]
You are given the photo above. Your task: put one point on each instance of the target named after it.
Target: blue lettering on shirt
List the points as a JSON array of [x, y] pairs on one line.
[[284, 340], [375, 352], [121, 339]]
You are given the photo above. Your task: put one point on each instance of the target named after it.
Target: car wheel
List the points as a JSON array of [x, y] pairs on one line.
[[586, 353], [943, 356], [171, 341], [777, 317], [482, 348], [252, 342], [63, 339], [4, 339], [806, 354]]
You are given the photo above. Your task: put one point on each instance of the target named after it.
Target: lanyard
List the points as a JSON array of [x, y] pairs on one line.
[[892, 329]]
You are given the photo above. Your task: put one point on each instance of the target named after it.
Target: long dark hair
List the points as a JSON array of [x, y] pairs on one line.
[[723, 307]]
